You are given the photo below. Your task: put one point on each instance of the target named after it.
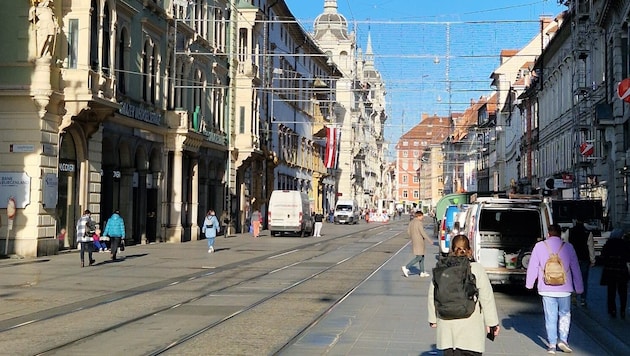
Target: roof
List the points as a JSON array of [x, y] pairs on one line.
[[431, 129]]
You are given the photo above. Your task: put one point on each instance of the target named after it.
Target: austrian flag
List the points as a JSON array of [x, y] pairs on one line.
[[333, 136]]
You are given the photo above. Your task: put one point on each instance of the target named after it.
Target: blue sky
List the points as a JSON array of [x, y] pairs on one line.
[[434, 56]]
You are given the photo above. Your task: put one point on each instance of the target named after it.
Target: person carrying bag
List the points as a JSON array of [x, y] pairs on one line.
[[115, 229]]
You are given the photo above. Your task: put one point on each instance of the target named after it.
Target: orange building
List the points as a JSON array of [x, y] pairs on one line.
[[419, 171]]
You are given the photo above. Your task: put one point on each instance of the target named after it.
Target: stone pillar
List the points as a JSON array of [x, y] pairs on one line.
[[126, 202], [194, 203], [175, 231], [142, 206]]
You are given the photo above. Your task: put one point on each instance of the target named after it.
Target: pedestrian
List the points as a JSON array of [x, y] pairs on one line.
[[319, 221], [210, 229], [615, 258], [115, 230], [224, 222], [466, 336], [85, 229], [583, 242], [419, 238], [256, 220], [62, 238], [98, 244], [556, 299]]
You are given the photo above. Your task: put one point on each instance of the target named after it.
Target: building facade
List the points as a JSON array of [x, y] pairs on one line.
[[360, 111], [113, 105]]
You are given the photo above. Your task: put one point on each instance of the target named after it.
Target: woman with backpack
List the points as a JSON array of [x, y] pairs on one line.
[[555, 288], [464, 335]]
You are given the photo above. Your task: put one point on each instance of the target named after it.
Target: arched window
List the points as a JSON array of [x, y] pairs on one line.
[[146, 71], [155, 72]]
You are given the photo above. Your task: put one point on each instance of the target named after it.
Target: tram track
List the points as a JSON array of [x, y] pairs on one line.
[[244, 274]]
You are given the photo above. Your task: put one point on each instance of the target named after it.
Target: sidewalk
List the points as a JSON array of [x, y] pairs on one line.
[[387, 315]]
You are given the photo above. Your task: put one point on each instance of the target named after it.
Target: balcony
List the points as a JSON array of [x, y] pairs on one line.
[[248, 69]]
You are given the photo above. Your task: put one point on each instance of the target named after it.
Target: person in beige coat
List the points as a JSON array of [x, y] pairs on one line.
[[419, 238], [466, 336]]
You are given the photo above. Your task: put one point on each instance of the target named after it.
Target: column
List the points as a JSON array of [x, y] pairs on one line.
[[142, 207], [194, 203], [174, 230], [126, 202]]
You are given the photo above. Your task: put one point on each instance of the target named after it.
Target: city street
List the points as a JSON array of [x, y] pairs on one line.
[[342, 294]]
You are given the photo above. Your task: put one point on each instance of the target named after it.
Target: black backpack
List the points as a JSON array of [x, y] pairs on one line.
[[455, 289]]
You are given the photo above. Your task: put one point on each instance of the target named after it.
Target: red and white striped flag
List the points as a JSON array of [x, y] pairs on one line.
[[333, 136]]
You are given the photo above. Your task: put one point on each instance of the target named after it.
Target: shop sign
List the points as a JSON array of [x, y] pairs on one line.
[[16, 185], [214, 137], [51, 188], [138, 113], [20, 148], [66, 167]]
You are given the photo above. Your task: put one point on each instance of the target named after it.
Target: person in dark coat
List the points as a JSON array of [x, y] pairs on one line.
[[583, 242], [615, 256]]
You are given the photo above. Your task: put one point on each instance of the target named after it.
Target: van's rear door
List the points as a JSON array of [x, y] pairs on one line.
[[285, 211]]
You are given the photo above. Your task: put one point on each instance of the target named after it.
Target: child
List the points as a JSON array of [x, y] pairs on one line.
[[100, 246], [62, 238]]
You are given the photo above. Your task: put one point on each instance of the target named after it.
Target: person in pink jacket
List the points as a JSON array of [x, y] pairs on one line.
[[556, 298]]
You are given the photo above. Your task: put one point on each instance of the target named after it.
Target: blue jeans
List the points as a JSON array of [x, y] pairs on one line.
[[419, 259], [210, 241], [557, 318]]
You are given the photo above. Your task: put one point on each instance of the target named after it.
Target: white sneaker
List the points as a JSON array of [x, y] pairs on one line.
[[405, 271], [564, 347], [424, 274], [211, 250]]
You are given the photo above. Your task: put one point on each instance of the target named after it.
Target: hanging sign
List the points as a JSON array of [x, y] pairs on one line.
[[623, 90], [587, 149]]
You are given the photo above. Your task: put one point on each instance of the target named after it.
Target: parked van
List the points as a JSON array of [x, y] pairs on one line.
[[347, 212], [450, 225], [290, 212], [503, 232]]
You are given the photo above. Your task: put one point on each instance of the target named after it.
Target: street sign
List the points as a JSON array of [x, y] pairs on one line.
[[587, 149], [623, 90]]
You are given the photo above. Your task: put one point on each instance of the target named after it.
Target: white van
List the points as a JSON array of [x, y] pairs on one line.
[[290, 212], [502, 234], [346, 212]]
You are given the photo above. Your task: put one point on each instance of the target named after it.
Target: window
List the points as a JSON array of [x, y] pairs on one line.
[[405, 194], [94, 30], [405, 153], [416, 194], [241, 120], [415, 179], [404, 178], [106, 40], [73, 42]]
